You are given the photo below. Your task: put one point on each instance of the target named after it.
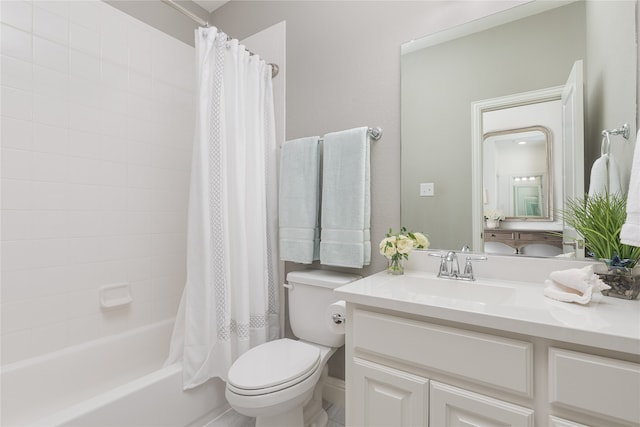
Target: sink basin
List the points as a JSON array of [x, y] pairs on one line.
[[462, 292]]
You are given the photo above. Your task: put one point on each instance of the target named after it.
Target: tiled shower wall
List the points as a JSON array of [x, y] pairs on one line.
[[97, 125]]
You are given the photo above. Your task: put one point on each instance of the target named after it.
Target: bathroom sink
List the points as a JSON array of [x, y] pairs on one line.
[[422, 289]]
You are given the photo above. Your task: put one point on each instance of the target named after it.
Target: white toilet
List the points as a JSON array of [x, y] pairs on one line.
[[280, 382]]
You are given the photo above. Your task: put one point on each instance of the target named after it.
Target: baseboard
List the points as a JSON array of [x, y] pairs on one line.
[[334, 391]]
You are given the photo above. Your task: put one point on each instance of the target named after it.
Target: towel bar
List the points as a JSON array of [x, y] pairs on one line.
[[374, 133]]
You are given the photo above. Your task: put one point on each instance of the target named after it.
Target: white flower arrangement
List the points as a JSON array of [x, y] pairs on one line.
[[396, 247], [494, 214]]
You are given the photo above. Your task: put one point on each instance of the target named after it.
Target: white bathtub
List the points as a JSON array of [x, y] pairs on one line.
[[115, 381]]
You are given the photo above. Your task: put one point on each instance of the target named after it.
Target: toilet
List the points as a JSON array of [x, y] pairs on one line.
[[280, 382]]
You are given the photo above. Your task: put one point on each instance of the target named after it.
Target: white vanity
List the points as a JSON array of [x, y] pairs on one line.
[[423, 351]]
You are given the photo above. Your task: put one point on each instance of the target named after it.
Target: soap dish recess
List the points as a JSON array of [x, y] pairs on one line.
[[116, 295]]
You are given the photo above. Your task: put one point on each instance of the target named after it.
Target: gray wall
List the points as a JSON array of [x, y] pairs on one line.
[[611, 79], [343, 71]]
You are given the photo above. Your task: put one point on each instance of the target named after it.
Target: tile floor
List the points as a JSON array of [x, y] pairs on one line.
[[232, 419]]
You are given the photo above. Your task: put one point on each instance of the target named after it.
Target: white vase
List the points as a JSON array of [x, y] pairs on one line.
[[493, 223]]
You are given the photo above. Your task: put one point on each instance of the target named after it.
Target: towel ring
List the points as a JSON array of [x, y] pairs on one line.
[[605, 147], [622, 130]]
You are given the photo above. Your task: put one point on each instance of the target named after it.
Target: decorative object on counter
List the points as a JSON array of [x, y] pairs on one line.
[[623, 279], [599, 219], [493, 218], [574, 285], [396, 248]]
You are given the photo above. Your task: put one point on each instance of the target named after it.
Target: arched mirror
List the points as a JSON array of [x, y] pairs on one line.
[[516, 173]]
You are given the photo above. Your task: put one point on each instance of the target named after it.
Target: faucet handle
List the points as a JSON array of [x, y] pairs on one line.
[[443, 271], [468, 267]]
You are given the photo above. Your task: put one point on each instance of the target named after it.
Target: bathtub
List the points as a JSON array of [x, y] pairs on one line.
[[114, 381]]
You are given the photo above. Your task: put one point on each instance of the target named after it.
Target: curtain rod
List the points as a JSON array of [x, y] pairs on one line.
[[274, 67]]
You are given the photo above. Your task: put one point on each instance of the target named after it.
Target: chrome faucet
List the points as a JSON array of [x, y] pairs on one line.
[[450, 268]]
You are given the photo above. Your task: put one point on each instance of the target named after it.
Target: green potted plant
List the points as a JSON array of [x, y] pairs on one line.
[[599, 220]]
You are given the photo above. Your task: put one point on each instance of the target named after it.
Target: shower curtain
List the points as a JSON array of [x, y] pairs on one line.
[[230, 301]]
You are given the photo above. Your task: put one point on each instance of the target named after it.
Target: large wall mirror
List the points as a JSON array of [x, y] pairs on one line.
[[529, 48]]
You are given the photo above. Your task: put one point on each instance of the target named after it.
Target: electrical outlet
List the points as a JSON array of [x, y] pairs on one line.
[[427, 189]]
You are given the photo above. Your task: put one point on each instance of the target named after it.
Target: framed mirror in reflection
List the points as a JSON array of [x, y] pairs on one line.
[[529, 48], [516, 173]]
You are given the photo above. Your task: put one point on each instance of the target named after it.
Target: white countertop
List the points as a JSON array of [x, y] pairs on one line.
[[513, 306]]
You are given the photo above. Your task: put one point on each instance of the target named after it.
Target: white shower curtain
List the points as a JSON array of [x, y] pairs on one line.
[[230, 301]]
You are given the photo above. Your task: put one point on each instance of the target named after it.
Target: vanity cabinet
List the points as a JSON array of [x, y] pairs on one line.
[[451, 406], [407, 370], [392, 397], [387, 396], [596, 384]]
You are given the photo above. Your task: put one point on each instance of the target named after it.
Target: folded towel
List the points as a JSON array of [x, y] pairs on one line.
[[605, 176], [630, 233], [574, 285], [346, 203], [299, 200]]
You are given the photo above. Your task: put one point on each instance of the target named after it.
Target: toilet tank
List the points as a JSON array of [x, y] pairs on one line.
[[310, 295]]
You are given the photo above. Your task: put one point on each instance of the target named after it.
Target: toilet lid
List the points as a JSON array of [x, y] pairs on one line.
[[273, 365]]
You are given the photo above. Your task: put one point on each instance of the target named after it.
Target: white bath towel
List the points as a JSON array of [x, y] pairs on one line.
[[574, 285], [605, 176], [346, 204], [299, 200], [630, 233]]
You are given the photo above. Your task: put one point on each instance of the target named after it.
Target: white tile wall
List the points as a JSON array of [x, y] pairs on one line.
[[95, 154]]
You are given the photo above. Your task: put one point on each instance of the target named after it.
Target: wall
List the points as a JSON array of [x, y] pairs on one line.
[[611, 102], [343, 71], [96, 142]]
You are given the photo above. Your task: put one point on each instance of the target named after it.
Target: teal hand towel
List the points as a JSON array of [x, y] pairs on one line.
[[299, 196], [346, 203]]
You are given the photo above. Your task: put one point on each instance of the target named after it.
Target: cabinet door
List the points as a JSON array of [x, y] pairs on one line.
[[454, 407], [383, 396], [560, 422]]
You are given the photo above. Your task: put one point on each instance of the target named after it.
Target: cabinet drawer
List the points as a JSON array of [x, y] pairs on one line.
[[495, 361], [499, 235], [540, 237], [596, 384]]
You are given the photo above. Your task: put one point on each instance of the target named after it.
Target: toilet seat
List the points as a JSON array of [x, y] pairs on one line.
[[273, 366]]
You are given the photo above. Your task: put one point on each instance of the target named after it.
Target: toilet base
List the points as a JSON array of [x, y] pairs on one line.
[[311, 415], [292, 418], [314, 413]]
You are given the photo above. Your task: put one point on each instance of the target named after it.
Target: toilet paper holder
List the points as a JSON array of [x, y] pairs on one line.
[[338, 318]]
